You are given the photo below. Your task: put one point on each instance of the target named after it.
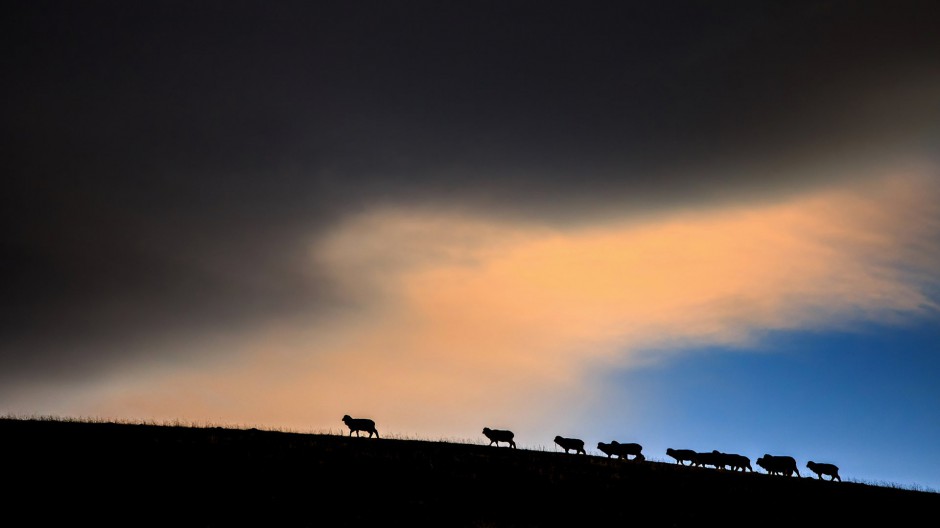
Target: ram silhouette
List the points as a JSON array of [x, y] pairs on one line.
[[778, 465], [500, 435], [571, 444], [622, 451], [821, 468], [360, 424]]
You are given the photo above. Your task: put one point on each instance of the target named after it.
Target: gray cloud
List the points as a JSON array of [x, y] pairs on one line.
[[168, 163]]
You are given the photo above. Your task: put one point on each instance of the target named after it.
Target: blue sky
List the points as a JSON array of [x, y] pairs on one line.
[[864, 399], [690, 224]]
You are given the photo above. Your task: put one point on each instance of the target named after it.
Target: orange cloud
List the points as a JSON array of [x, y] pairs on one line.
[[458, 322]]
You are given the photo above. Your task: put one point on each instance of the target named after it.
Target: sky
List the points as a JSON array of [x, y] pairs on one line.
[[686, 224]]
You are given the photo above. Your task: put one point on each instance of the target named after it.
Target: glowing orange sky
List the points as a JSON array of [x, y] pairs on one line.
[[457, 321]]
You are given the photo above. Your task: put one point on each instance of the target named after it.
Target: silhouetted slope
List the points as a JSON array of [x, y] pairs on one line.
[[182, 476]]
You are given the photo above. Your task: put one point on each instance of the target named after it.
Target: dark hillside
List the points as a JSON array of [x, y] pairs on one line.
[[135, 475]]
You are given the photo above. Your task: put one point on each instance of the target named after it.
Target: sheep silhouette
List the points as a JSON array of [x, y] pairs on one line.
[[499, 435], [681, 455], [733, 461], [774, 465], [778, 465], [569, 444], [360, 424], [708, 458], [622, 451], [821, 468]]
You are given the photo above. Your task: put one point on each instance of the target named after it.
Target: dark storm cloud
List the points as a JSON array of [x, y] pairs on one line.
[[169, 163]]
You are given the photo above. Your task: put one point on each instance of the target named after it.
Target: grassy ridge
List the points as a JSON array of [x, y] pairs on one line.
[[126, 474]]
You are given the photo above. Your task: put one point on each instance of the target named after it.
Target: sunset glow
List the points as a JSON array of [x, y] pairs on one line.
[[690, 225], [473, 321]]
